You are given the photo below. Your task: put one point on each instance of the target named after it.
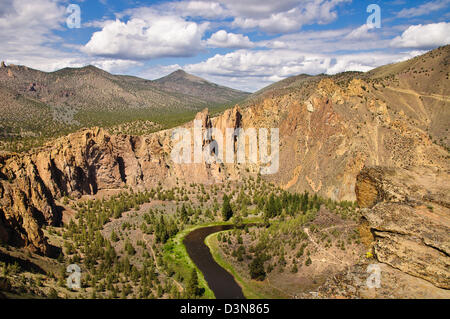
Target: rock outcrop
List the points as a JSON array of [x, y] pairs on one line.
[[81, 163], [408, 211], [86, 162], [330, 127]]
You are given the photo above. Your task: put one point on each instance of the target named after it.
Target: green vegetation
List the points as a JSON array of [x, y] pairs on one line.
[[227, 211], [256, 268], [126, 251]]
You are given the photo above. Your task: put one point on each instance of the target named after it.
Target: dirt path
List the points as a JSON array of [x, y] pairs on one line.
[[340, 262], [339, 226], [439, 97], [180, 287], [282, 291]]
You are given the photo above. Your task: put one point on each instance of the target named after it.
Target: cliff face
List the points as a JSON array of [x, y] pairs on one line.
[[409, 214], [333, 126], [81, 163], [84, 163], [330, 128]]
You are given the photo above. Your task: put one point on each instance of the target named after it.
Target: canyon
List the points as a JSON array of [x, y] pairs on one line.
[[380, 138]]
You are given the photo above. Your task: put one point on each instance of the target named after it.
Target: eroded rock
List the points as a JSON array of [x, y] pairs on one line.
[[408, 212]]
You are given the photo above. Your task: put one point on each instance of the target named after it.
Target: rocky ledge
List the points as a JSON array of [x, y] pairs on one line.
[[408, 211]]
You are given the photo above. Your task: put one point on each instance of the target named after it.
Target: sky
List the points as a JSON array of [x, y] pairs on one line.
[[243, 44]]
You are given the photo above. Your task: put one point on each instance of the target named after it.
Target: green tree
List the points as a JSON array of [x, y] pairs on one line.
[[270, 210], [184, 214], [308, 262], [256, 269], [227, 210], [192, 288], [129, 248], [114, 237]]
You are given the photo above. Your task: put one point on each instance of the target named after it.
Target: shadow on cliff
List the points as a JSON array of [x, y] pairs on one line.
[[23, 263]]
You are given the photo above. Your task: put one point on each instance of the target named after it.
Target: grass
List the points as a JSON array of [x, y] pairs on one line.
[[176, 255]]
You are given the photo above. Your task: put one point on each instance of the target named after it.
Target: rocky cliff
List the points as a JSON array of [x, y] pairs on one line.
[[408, 211], [330, 128], [84, 163]]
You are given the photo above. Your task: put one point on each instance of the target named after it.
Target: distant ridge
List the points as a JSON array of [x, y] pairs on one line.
[[182, 82], [36, 104]]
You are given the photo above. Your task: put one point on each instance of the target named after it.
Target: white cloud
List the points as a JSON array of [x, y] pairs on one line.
[[26, 33], [361, 33], [158, 71], [367, 61], [253, 69], [147, 37], [423, 9], [258, 8], [115, 66], [291, 19], [424, 36], [267, 15], [28, 23], [204, 9], [328, 41], [224, 39]]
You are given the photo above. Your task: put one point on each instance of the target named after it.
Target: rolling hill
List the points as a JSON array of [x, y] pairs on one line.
[[37, 105]]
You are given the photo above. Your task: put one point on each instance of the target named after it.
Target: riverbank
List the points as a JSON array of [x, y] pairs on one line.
[[176, 255], [252, 289], [250, 292]]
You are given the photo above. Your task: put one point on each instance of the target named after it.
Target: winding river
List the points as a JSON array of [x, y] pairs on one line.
[[221, 282]]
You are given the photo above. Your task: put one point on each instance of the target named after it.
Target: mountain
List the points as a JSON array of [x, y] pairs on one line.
[[35, 103], [380, 138], [332, 126], [188, 84]]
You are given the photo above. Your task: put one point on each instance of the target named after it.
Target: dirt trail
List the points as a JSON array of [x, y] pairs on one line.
[[340, 262], [339, 226], [180, 287], [278, 289], [439, 97]]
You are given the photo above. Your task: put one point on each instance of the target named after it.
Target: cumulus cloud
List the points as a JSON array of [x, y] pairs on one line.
[[204, 9], [424, 36], [361, 33], [254, 69], [158, 71], [267, 15], [115, 65], [292, 18], [224, 39], [26, 23], [27, 34], [258, 8], [328, 41], [364, 62], [147, 37], [423, 9]]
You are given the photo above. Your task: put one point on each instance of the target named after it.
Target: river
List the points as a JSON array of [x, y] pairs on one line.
[[221, 282]]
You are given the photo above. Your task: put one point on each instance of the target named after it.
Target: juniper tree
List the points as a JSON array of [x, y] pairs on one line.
[[227, 210]]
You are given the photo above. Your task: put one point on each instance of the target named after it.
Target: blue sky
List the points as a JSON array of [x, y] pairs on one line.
[[245, 44]]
